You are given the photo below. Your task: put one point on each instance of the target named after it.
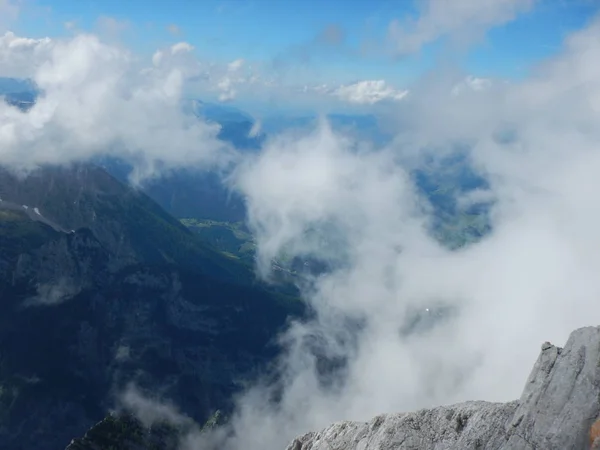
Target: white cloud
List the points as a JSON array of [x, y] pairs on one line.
[[20, 56], [227, 81], [101, 99], [532, 279], [239, 78], [151, 411], [461, 19], [364, 92], [157, 57], [181, 47], [471, 84], [236, 65], [227, 92], [368, 92]]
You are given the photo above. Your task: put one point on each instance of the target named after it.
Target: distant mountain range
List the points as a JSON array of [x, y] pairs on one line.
[[237, 127], [193, 194], [19, 93], [16, 85]]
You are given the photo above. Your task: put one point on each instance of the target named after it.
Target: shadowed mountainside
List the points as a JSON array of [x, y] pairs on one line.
[[99, 288]]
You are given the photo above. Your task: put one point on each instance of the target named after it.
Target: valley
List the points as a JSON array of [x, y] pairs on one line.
[[232, 239]]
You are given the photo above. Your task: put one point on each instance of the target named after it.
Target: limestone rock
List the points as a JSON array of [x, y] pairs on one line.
[[556, 411]]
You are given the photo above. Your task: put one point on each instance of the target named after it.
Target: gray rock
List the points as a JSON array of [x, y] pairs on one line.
[[558, 406]]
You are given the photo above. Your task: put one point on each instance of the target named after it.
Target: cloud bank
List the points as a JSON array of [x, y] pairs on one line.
[[532, 279], [100, 99]]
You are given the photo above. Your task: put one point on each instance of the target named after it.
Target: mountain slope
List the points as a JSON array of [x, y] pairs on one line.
[[131, 225], [126, 433], [130, 295]]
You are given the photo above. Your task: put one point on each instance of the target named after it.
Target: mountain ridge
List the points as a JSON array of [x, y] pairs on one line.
[[74, 197], [556, 411]]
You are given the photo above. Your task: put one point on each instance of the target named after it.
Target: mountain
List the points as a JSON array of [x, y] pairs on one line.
[[16, 85], [18, 92], [220, 113], [236, 125], [559, 409], [131, 225], [127, 433], [192, 193], [366, 127], [185, 193], [443, 182], [99, 288]]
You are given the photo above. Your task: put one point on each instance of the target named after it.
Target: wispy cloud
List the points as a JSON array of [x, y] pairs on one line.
[[111, 26], [151, 410], [328, 41], [174, 29], [70, 25], [332, 34], [462, 20], [472, 83], [9, 11], [368, 92]]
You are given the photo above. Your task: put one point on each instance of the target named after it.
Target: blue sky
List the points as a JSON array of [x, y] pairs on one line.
[[315, 41], [511, 49]]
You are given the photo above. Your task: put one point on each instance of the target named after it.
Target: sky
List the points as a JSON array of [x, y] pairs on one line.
[[306, 44], [513, 88]]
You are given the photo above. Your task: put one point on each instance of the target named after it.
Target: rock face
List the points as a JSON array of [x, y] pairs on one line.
[[557, 411]]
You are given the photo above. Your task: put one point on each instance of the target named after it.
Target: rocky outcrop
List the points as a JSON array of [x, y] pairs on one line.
[[558, 410], [125, 432]]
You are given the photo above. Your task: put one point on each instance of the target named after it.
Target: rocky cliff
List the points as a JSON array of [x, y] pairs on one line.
[[558, 410]]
